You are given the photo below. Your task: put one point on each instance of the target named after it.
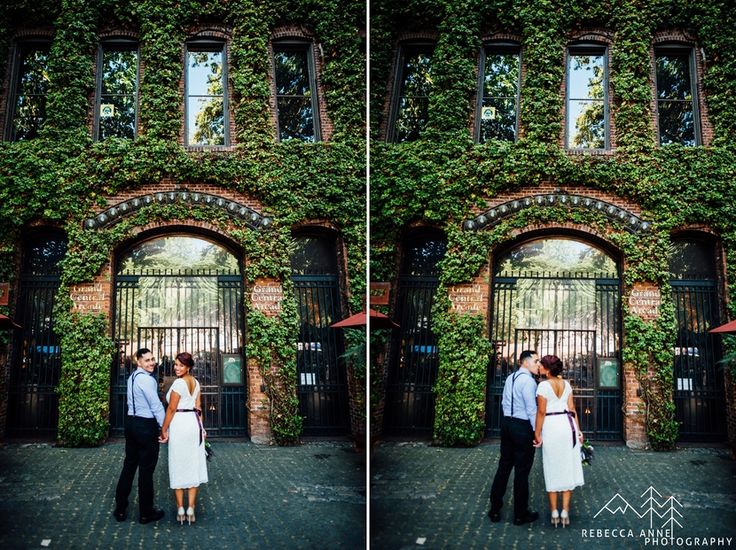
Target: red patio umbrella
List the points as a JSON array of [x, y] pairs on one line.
[[728, 328], [377, 320], [6, 323]]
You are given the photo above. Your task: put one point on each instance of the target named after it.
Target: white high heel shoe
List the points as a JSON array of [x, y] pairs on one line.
[[190, 515], [565, 518], [555, 518], [180, 515]]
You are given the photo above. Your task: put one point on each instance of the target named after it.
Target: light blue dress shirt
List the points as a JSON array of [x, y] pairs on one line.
[[525, 396], [147, 403]]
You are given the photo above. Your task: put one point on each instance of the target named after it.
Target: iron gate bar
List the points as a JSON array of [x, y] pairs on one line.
[[414, 363], [577, 338], [191, 296], [321, 378], [33, 404], [699, 393]]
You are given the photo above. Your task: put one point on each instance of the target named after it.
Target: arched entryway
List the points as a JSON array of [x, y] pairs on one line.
[[321, 376], [700, 400], [560, 295], [33, 405], [177, 293], [414, 355]]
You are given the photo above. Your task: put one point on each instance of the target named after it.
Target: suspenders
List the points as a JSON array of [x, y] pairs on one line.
[[132, 389], [513, 380]]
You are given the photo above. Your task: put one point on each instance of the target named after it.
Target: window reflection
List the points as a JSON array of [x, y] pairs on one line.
[[205, 104], [675, 99], [500, 92], [294, 97], [586, 122], [178, 253], [118, 93], [692, 259], [314, 255], [422, 255], [413, 99], [43, 254], [30, 91], [556, 256]]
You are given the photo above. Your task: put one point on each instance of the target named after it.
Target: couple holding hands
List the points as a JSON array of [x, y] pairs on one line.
[[180, 427], [538, 416]]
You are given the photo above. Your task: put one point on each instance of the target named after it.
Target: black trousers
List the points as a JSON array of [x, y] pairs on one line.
[[141, 453], [517, 453]]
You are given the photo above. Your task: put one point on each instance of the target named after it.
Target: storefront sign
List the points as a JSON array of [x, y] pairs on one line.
[[379, 294], [267, 297], [466, 298], [644, 301], [88, 297]]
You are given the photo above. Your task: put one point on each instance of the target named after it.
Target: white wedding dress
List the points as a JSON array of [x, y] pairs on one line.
[[187, 458], [561, 461]]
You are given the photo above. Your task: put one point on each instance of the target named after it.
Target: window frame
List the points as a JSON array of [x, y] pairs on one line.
[[297, 45], [18, 49], [496, 47], [211, 45], [398, 81], [116, 44], [588, 48], [675, 48]]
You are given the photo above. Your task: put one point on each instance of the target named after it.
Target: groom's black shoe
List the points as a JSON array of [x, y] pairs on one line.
[[153, 515], [494, 515], [528, 517], [120, 514]]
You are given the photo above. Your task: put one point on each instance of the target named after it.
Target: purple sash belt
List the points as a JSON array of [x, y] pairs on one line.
[[199, 420], [570, 416]]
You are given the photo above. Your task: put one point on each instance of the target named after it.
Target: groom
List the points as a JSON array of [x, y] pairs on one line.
[[519, 405]]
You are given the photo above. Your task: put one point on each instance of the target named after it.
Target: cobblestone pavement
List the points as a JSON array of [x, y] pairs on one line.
[[310, 496], [431, 497]]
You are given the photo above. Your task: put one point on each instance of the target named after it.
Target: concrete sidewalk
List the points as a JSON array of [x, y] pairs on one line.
[[310, 496], [432, 497]]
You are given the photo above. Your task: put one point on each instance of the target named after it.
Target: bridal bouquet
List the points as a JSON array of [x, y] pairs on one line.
[[586, 452]]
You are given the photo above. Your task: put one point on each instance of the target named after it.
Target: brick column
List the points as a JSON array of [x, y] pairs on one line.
[[265, 296]]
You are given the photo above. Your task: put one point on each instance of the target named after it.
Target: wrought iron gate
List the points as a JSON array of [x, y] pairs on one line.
[[413, 373], [321, 383], [33, 404], [198, 311], [698, 379], [573, 316]]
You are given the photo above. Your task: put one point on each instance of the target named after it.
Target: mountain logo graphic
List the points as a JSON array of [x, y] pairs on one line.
[[654, 505]]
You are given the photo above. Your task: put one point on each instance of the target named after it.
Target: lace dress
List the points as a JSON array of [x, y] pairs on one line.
[[563, 469], [187, 459]]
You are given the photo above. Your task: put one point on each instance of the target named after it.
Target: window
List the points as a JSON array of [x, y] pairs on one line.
[[676, 105], [498, 100], [413, 87], [587, 98], [117, 90], [206, 98], [28, 104], [296, 98]]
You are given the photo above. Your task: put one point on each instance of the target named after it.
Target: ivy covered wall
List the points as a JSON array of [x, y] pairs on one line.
[[444, 178], [63, 177]]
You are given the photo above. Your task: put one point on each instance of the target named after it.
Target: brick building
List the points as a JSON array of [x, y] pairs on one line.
[[190, 179], [554, 174]]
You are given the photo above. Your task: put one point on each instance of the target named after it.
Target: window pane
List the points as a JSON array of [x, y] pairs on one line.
[[586, 126], [498, 119], [422, 255], [673, 77], [692, 259], [205, 98], [314, 255], [295, 118], [30, 99], [206, 121], [416, 85], [292, 73], [294, 99], [586, 77], [117, 116], [676, 124], [557, 257], [119, 72], [501, 75], [43, 254]]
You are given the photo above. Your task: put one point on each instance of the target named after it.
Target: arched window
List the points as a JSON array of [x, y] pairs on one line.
[[321, 376], [414, 353], [33, 404]]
